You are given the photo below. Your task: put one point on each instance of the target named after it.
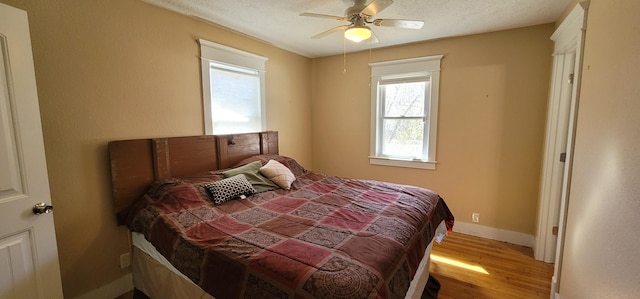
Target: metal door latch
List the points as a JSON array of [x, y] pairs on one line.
[[42, 208]]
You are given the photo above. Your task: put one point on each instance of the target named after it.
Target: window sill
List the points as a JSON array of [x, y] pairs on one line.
[[431, 165]]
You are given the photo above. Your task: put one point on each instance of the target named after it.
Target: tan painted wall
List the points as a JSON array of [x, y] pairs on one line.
[[123, 69], [601, 245], [493, 99]]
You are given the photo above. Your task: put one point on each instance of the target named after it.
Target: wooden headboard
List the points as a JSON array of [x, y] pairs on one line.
[[135, 164]]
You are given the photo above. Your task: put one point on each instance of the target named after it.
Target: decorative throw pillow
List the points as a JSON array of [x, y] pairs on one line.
[[229, 188], [252, 173], [278, 173]]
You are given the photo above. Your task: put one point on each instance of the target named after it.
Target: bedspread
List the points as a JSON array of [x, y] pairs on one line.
[[327, 237]]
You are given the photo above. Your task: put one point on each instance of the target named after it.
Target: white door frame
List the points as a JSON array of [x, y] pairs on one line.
[[568, 43]]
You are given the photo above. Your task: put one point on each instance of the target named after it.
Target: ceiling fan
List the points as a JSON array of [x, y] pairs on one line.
[[359, 15]]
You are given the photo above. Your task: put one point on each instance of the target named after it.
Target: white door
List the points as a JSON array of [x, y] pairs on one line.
[[561, 120], [553, 178], [28, 253]]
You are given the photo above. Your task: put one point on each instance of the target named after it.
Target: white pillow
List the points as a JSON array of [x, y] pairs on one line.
[[278, 173]]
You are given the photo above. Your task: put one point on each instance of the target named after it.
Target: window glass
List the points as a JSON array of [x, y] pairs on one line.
[[404, 99], [235, 100], [403, 138]]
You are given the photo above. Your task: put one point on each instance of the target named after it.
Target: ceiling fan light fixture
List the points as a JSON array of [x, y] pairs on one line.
[[357, 33]]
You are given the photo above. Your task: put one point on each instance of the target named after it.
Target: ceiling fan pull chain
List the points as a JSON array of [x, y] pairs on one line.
[[344, 56]]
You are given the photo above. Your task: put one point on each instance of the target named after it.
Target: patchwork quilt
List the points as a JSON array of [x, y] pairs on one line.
[[326, 237]]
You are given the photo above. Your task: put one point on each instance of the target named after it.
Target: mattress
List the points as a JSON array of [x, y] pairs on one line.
[[157, 278]]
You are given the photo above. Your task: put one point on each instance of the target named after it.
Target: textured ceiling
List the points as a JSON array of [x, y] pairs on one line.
[[279, 23]]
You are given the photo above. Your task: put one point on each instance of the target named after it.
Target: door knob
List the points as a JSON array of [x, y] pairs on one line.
[[42, 208]]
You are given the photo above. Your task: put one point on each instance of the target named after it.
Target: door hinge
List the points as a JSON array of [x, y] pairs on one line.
[[570, 78], [554, 231], [563, 157]]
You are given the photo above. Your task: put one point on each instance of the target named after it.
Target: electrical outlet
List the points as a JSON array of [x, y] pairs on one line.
[[125, 260], [475, 217]]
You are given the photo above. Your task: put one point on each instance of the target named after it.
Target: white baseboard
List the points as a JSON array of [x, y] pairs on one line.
[[111, 290], [493, 233]]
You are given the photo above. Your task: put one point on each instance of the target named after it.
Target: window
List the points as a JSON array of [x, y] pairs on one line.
[[232, 89], [404, 112]]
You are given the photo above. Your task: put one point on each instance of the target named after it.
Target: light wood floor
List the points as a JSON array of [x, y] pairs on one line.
[[512, 272]]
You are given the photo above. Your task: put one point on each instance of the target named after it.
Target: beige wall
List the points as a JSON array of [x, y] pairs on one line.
[[493, 99], [123, 69], [601, 245]]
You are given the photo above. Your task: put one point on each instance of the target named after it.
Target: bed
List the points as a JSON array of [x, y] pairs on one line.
[[197, 232]]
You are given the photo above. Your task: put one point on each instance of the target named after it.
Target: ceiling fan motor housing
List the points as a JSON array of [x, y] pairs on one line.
[[354, 11]]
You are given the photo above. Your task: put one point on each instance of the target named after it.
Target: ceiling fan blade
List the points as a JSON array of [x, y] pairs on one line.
[[375, 7], [408, 24], [317, 15], [332, 30]]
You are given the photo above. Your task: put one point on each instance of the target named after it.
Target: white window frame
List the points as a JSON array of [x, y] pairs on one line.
[[428, 66], [213, 52]]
